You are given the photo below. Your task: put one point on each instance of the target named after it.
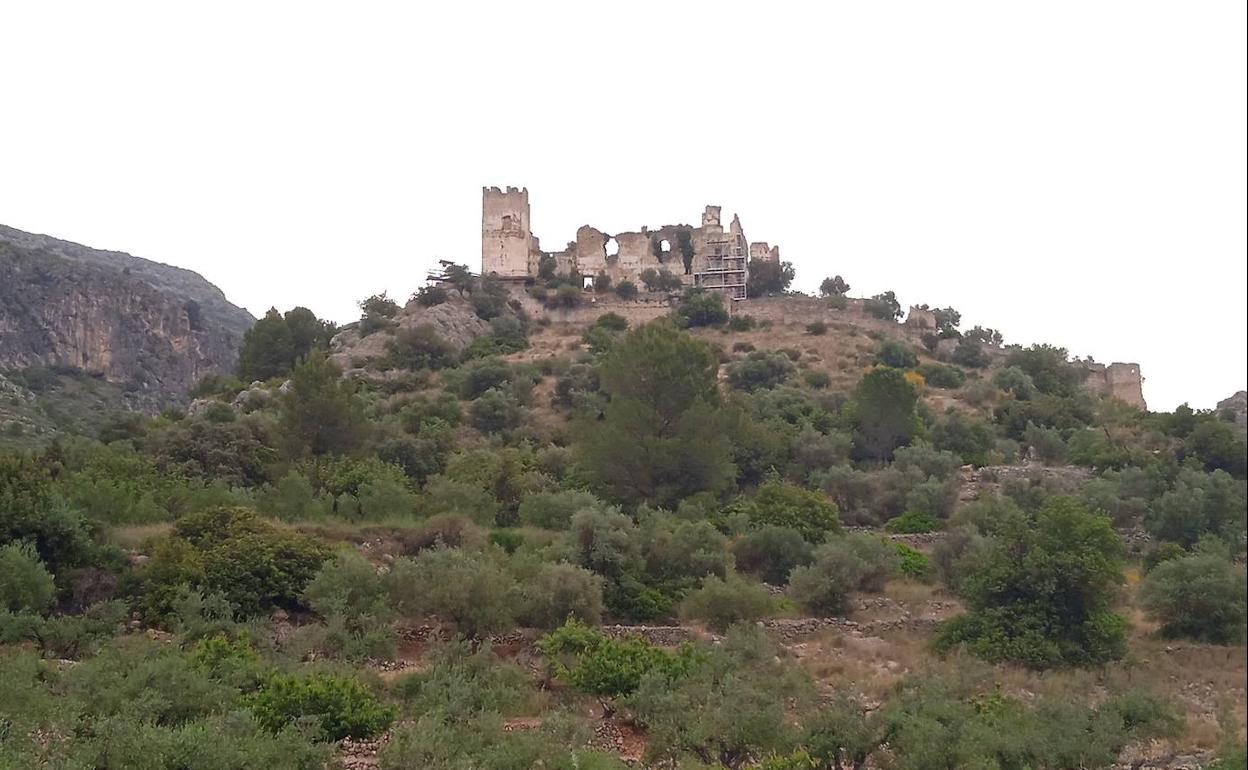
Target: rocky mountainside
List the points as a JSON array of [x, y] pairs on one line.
[[153, 329], [1237, 406]]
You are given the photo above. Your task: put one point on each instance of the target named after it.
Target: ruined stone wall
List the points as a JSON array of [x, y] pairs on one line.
[[1125, 383], [923, 320], [625, 255], [510, 250], [645, 308], [764, 251], [1122, 381], [805, 309]]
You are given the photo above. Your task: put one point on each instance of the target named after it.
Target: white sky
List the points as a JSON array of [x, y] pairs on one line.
[[1069, 172]]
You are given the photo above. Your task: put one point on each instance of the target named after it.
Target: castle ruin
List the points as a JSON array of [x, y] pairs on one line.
[[1122, 381], [708, 256]]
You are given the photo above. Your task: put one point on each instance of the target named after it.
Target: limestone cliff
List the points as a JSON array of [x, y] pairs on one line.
[[151, 328]]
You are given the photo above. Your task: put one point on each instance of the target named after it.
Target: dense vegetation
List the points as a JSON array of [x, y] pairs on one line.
[[214, 590]]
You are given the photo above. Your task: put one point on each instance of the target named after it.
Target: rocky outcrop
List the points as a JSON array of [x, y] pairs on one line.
[[152, 328], [975, 483], [1236, 405], [453, 320]]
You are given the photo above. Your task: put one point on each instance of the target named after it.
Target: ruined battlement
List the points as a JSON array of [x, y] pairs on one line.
[[708, 256], [1123, 381], [921, 318]]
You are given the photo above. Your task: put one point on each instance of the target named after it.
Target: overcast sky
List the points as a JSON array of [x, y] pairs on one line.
[[1067, 172]]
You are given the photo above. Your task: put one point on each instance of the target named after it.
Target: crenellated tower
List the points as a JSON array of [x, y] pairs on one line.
[[506, 238]]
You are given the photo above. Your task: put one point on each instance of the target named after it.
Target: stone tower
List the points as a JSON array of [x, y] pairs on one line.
[[506, 240]]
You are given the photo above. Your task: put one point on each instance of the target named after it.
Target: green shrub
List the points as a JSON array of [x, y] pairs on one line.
[[817, 328], [912, 522], [1046, 442], [971, 354], [979, 392], [883, 306], [896, 354], [663, 395], [321, 413], [611, 322], [679, 553], [575, 386], [1200, 597], [1016, 382], [420, 412], [230, 660], [833, 287], [599, 664], [348, 585], [433, 743], [771, 553], [460, 683], [565, 296], [254, 564], [419, 347], [430, 295], [557, 592], [65, 636], [660, 280], [787, 505], [507, 539], [1199, 504], [760, 370], [841, 567], [1048, 367], [972, 440], [885, 415], [736, 705], [554, 510], [626, 290], [1040, 588], [29, 513], [914, 563], [340, 706], [140, 679], [815, 452], [1162, 552], [741, 323], [767, 277], [816, 378], [25, 584], [942, 376], [954, 728], [723, 602], [447, 497], [272, 346], [495, 411], [471, 589], [701, 308]]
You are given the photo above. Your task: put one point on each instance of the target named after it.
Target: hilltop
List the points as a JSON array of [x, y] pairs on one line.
[[579, 523]]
